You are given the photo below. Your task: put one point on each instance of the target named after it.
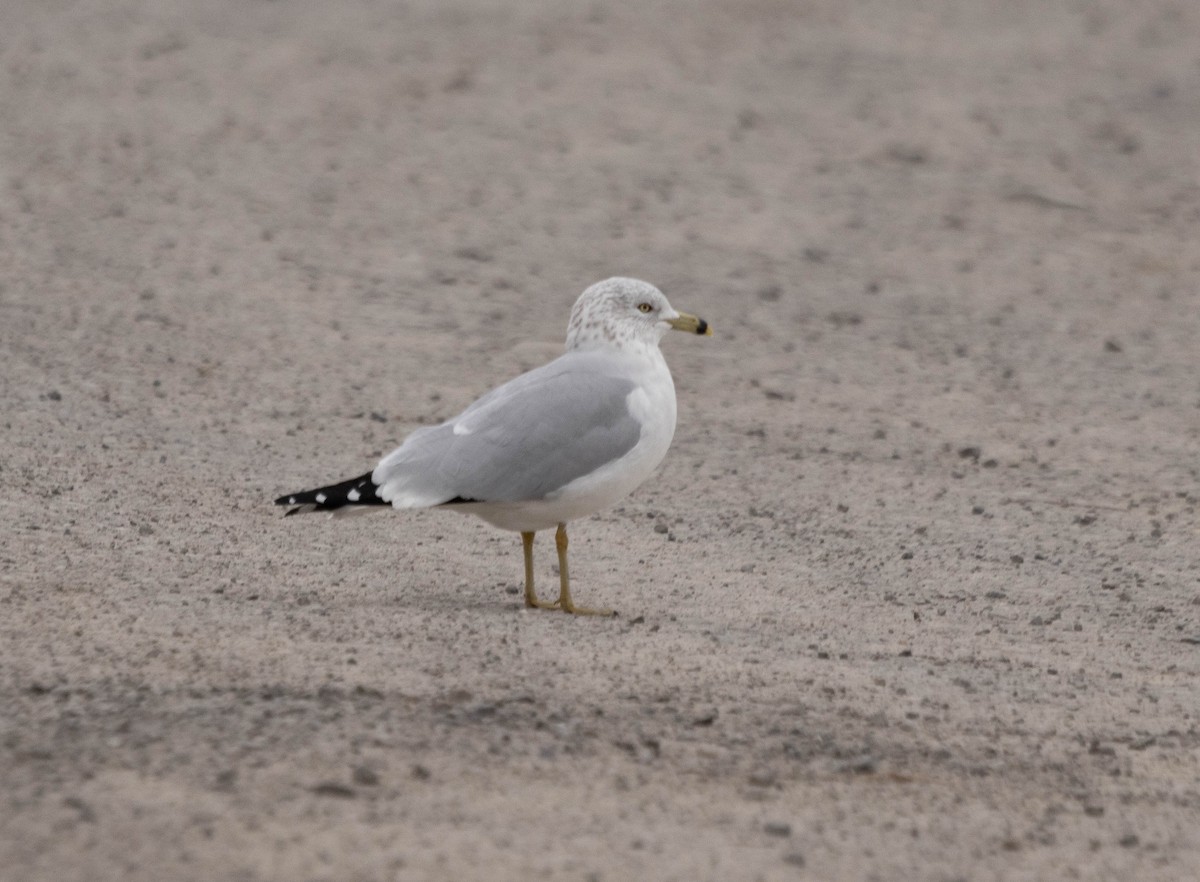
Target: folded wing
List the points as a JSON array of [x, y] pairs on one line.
[[522, 441]]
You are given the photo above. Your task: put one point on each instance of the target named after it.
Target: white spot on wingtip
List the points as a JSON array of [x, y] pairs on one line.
[[353, 495], [321, 497], [461, 429]]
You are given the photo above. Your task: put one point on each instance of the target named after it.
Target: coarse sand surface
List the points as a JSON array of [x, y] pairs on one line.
[[914, 596]]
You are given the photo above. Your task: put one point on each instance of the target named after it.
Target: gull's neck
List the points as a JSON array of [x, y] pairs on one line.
[[590, 336], [599, 342]]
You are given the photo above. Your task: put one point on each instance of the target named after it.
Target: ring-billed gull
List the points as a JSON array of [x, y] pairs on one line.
[[557, 443]]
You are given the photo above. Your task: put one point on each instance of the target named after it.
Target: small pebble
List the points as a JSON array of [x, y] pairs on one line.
[[86, 813], [333, 788], [365, 776], [705, 717]]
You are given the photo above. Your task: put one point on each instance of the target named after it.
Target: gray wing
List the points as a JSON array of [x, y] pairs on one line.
[[521, 441]]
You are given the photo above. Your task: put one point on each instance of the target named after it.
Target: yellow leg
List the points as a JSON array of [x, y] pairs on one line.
[[564, 579], [530, 595]]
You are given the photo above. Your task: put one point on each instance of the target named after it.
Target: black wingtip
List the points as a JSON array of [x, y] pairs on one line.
[[355, 491]]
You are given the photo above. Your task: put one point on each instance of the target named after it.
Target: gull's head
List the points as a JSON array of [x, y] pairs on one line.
[[620, 312]]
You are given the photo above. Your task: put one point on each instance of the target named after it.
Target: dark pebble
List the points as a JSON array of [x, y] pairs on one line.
[[86, 813], [366, 776], [333, 788]]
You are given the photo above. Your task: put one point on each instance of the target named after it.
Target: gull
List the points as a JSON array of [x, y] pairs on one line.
[[560, 442]]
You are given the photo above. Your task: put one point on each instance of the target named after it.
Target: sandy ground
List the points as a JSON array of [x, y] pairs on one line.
[[916, 594]]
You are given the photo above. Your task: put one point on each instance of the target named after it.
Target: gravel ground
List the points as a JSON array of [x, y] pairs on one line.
[[915, 595]]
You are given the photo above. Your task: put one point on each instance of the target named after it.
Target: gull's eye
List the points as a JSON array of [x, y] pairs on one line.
[[645, 307]]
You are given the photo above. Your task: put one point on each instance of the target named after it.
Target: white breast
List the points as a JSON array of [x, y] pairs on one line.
[[653, 405]]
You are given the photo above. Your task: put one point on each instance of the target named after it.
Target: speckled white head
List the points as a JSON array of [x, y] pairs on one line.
[[620, 313]]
